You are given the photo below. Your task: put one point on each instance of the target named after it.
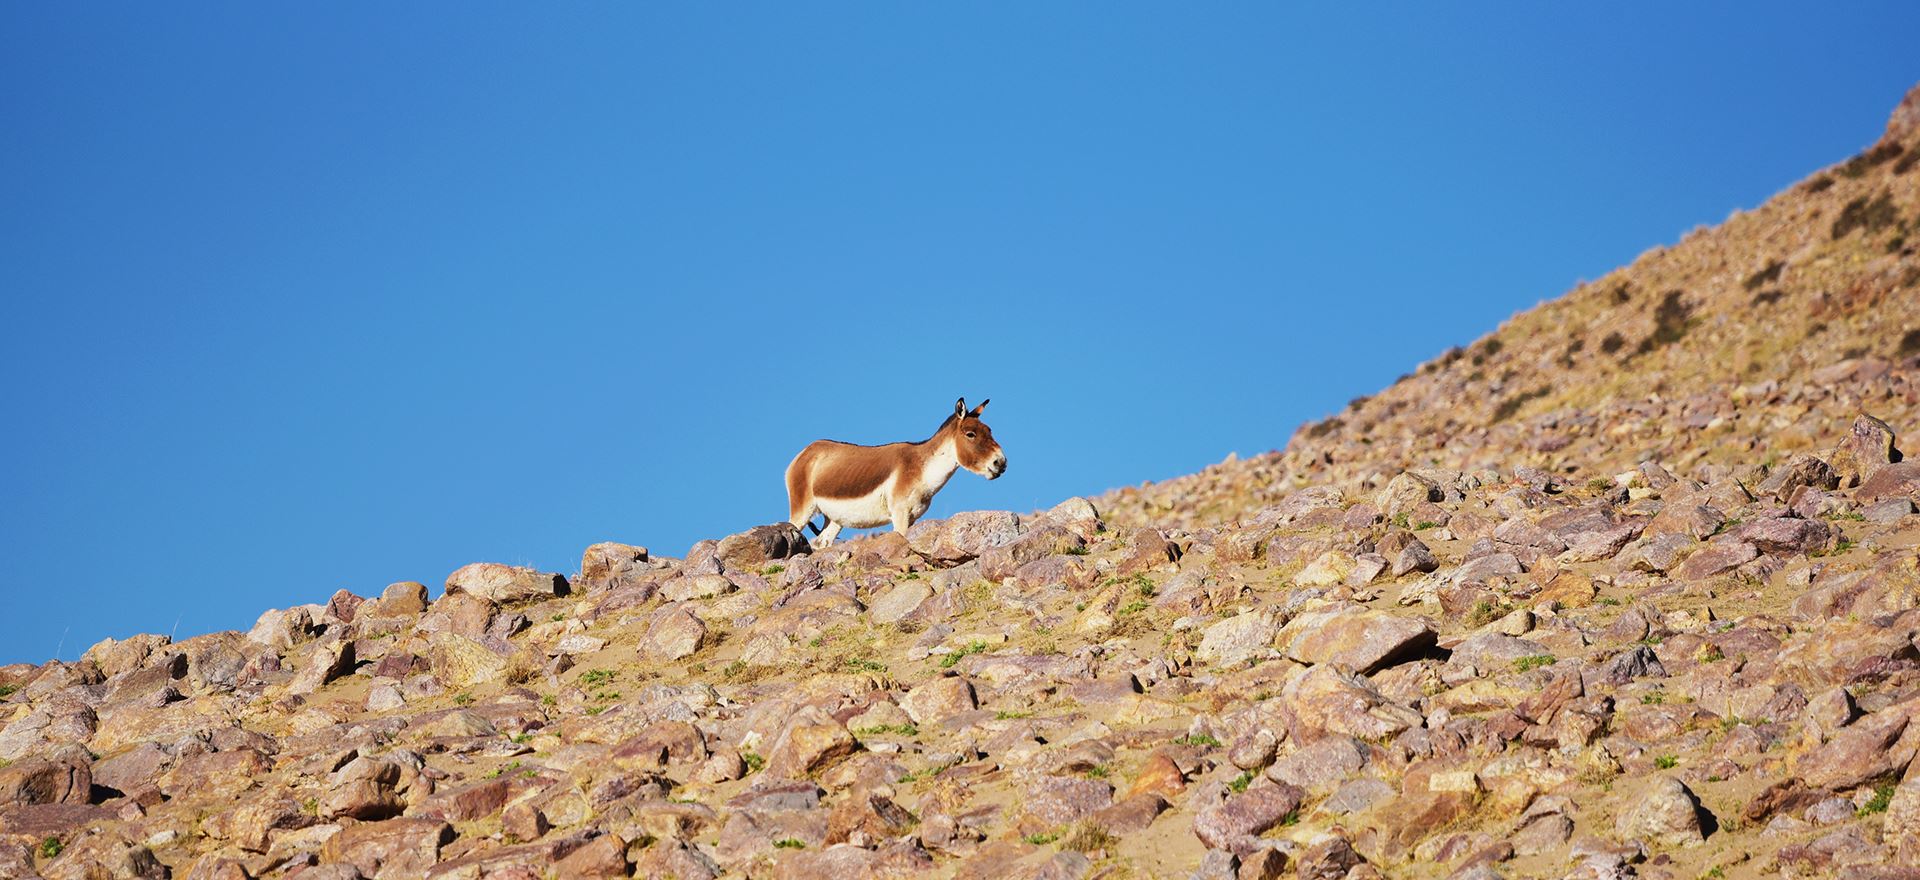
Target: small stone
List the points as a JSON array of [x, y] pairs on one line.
[[939, 699], [1236, 823]]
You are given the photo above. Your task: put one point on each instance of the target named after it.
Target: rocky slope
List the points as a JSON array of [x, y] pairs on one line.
[[1627, 588]]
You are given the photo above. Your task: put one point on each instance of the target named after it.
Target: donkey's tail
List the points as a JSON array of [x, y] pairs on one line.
[[816, 529]]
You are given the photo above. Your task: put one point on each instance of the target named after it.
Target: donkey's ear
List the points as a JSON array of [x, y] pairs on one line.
[[976, 410], [960, 408]]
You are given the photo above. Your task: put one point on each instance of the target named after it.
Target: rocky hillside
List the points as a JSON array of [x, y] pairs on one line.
[[1628, 588]]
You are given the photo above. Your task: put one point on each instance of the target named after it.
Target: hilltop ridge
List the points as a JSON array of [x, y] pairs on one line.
[[1627, 587]]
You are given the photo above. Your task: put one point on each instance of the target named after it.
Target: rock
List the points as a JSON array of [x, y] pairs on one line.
[[1238, 639], [1867, 447], [1801, 472], [963, 536], [1665, 813], [1235, 823], [674, 634], [811, 740], [754, 548], [506, 584], [1362, 641], [939, 699], [393, 848], [1715, 559]]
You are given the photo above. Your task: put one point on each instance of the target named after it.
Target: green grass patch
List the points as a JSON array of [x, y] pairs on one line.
[[753, 761], [1043, 838], [50, 848], [789, 843], [1666, 762], [1240, 783], [881, 729], [1203, 739]]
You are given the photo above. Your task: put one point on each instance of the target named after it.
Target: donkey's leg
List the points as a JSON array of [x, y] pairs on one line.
[[901, 507], [827, 534]]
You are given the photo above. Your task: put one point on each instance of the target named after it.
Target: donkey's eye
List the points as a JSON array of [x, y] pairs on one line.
[[969, 435]]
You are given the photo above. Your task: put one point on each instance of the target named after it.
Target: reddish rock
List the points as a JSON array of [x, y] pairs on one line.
[[1900, 480], [1664, 813]]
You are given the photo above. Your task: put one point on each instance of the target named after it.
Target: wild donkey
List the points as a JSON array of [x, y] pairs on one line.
[[867, 486]]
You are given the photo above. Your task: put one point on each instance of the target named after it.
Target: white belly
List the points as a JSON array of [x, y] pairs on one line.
[[858, 513]]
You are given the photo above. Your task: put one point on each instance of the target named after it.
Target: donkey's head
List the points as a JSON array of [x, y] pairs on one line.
[[974, 441]]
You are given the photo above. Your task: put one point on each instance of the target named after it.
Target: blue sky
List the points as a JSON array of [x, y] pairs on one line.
[[329, 296]]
